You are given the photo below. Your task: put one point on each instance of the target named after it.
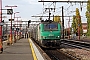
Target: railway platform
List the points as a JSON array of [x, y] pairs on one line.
[[23, 49]]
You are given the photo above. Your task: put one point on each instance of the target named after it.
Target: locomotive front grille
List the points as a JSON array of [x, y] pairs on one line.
[[51, 37]]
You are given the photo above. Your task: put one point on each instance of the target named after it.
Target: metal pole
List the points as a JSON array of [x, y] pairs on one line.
[[15, 26], [11, 25], [49, 13], [69, 27], [20, 28], [11, 29], [1, 45], [20, 32], [15, 30], [79, 32], [66, 30], [79, 28], [62, 23]]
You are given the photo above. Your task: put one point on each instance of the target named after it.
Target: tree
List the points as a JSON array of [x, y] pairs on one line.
[[78, 22], [88, 18], [74, 24], [77, 25]]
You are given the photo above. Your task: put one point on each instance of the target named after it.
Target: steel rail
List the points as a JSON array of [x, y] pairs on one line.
[[77, 44], [57, 54]]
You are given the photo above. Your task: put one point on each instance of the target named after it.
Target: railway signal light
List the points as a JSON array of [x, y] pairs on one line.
[[11, 19], [3, 21], [29, 22], [17, 29]]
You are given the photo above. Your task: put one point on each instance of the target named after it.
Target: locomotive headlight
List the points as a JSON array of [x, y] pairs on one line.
[[58, 36], [43, 37]]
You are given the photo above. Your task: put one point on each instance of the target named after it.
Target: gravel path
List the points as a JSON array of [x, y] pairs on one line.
[[79, 53]]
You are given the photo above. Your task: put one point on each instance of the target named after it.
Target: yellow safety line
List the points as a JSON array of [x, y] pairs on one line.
[[32, 49]]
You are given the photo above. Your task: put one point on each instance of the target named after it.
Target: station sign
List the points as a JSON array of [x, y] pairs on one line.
[[9, 11]]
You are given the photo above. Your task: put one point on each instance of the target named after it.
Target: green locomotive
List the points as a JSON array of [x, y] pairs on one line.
[[48, 34]]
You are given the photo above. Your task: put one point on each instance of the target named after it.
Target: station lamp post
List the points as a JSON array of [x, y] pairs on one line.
[[20, 27], [15, 26], [11, 22], [1, 44], [15, 13]]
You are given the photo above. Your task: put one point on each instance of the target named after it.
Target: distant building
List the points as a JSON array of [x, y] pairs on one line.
[[84, 27]]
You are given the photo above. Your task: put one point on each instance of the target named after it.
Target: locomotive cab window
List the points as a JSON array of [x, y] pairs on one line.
[[51, 26]]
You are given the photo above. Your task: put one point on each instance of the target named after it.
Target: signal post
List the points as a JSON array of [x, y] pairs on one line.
[[17, 29], [10, 12]]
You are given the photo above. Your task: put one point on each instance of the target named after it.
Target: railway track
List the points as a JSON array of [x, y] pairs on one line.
[[60, 55], [77, 44], [55, 54]]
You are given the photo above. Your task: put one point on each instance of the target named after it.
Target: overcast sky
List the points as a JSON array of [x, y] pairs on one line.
[[28, 8]]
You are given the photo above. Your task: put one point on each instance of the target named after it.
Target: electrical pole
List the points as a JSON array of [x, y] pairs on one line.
[[79, 27], [69, 27], [62, 23], [1, 44]]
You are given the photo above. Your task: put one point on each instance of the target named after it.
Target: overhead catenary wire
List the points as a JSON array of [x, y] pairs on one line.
[[57, 10]]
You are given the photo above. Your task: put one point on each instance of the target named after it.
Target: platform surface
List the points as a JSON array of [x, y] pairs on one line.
[[18, 51]]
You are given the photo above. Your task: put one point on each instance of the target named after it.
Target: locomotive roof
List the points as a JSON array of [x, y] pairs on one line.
[[48, 21]]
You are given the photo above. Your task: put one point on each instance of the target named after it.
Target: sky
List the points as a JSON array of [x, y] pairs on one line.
[[28, 8]]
